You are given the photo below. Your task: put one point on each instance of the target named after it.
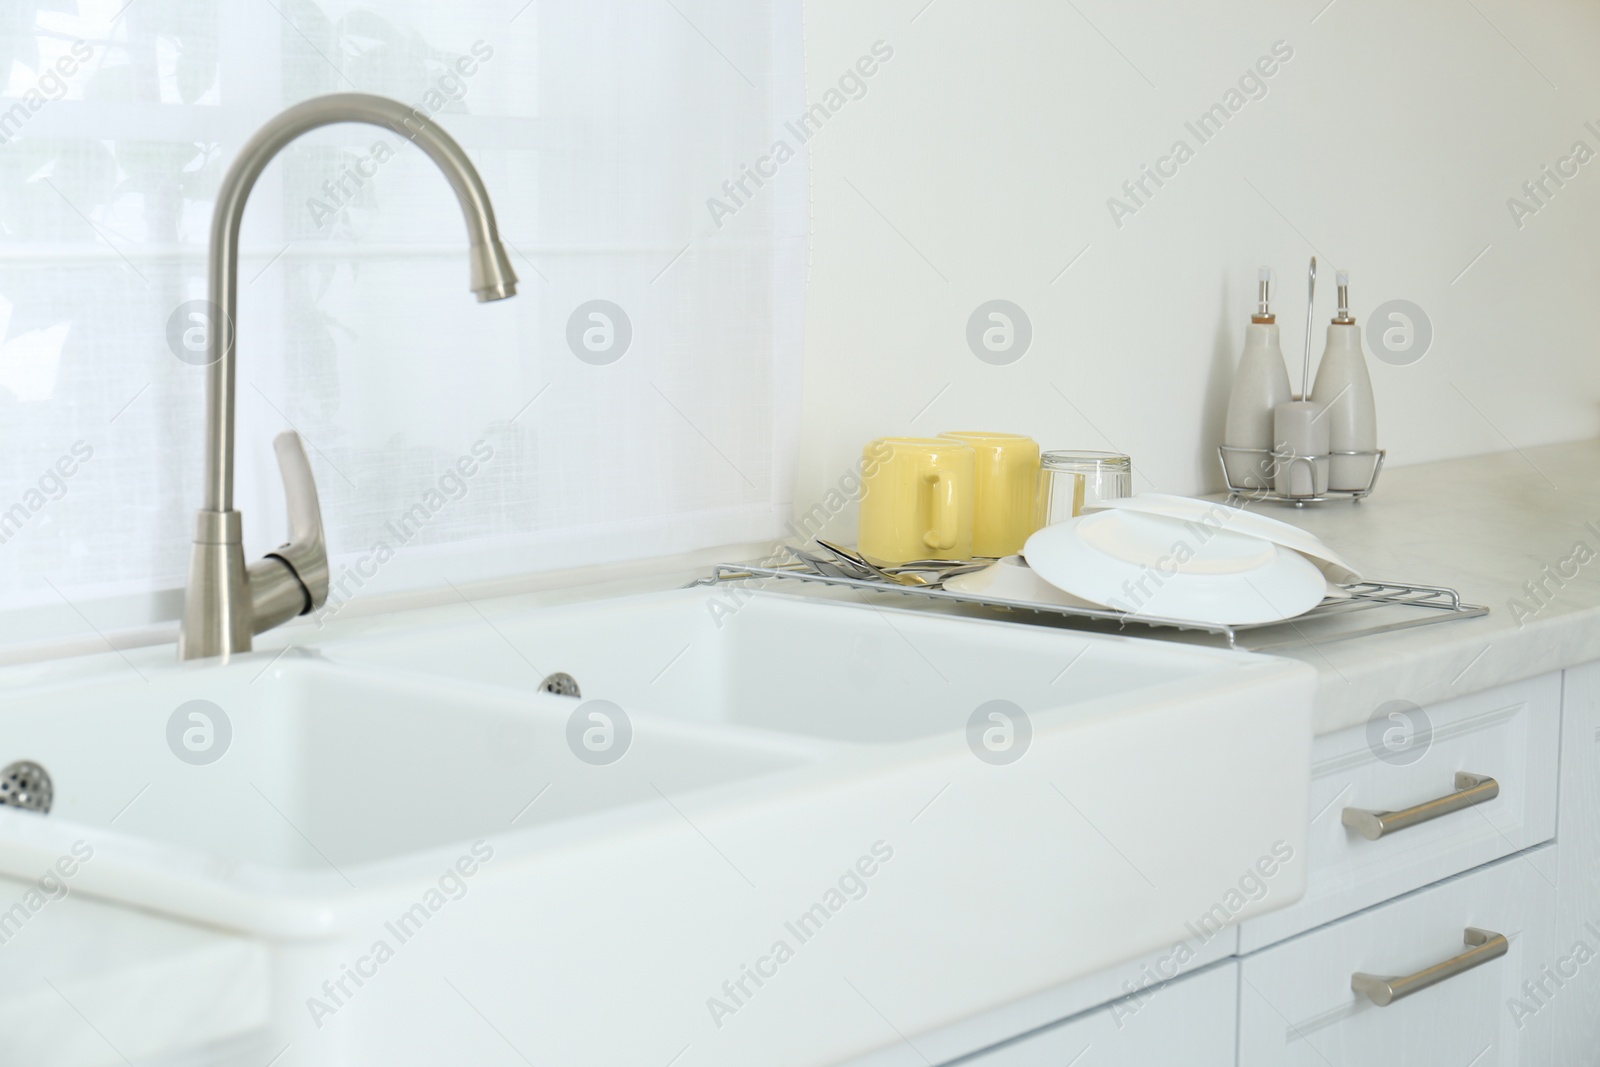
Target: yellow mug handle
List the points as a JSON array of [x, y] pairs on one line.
[[946, 514]]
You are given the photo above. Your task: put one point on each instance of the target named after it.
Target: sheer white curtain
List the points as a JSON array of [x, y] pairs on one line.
[[451, 440]]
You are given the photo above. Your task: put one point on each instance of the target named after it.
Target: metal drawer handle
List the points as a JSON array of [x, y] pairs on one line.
[[1487, 945], [1470, 789]]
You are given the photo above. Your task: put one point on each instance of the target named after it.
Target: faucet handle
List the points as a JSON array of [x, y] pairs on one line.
[[293, 578], [299, 488], [306, 551]]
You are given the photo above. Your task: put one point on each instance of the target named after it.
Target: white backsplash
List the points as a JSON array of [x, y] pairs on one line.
[[980, 163]]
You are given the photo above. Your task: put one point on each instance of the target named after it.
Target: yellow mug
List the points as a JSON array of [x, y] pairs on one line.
[[1006, 491], [917, 499]]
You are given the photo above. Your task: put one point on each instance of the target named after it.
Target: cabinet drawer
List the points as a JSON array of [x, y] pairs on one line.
[[1511, 734], [1297, 1007], [1191, 1021]]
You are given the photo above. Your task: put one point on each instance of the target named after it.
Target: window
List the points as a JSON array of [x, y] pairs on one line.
[[605, 131]]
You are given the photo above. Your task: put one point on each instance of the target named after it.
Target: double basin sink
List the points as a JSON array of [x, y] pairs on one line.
[[624, 831]]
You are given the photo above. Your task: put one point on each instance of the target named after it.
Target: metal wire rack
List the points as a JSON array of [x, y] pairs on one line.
[[1417, 605], [1267, 461]]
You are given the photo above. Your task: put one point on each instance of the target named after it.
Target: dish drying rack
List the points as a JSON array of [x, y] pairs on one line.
[[1422, 605], [1269, 460]]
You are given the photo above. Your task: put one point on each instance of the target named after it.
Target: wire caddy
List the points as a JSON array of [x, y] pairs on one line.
[[1268, 461], [1412, 605]]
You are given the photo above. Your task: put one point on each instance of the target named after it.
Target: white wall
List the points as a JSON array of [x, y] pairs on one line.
[[981, 158]]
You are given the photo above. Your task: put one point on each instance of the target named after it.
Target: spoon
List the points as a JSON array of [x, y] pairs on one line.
[[828, 568], [861, 561]]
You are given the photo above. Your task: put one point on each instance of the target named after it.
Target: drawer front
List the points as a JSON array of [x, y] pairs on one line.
[[1403, 762], [1297, 1007], [1190, 1021]]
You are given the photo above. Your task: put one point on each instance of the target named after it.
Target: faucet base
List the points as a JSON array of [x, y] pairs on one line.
[[216, 605]]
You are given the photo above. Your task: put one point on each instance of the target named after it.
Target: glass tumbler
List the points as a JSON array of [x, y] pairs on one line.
[[1070, 481]]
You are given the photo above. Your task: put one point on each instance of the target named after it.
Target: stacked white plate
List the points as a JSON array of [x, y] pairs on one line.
[[1171, 557], [1238, 520]]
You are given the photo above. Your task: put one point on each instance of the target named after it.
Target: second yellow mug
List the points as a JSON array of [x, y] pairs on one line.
[[917, 499], [1005, 490]]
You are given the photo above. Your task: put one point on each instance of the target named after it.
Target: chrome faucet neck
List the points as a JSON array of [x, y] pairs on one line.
[[492, 276]]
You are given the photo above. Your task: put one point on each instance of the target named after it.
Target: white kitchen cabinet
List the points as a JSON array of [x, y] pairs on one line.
[[1190, 1021], [1297, 1007], [1510, 733], [1560, 1015], [1391, 907]]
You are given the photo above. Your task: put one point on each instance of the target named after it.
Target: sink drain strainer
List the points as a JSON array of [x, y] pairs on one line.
[[561, 684], [26, 785]]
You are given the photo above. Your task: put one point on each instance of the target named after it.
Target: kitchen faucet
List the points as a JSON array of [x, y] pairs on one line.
[[226, 602]]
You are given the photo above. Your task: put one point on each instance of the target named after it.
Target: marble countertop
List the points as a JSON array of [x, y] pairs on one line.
[[1518, 531]]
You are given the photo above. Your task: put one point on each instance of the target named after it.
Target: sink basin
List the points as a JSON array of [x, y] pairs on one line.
[[330, 766], [802, 771], [838, 670]]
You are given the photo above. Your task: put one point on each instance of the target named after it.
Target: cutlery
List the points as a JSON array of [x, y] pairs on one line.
[[856, 559]]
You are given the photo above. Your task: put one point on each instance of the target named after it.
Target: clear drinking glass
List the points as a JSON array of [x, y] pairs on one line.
[[1071, 480]]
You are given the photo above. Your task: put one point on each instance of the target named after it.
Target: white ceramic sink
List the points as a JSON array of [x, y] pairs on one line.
[[797, 758], [839, 670], [331, 766]]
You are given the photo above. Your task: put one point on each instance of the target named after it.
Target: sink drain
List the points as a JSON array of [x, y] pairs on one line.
[[26, 785], [561, 684]]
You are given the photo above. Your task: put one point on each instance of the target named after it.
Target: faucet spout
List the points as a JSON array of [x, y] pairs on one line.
[[492, 276], [218, 617]]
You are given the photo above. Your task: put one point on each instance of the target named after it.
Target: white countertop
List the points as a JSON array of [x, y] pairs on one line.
[[1483, 526]]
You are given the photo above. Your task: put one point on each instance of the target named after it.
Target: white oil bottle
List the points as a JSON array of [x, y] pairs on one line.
[[1344, 389], [1260, 384]]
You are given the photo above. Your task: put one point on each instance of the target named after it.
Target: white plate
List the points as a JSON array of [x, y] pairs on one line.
[[1158, 565], [1238, 520], [1010, 578]]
